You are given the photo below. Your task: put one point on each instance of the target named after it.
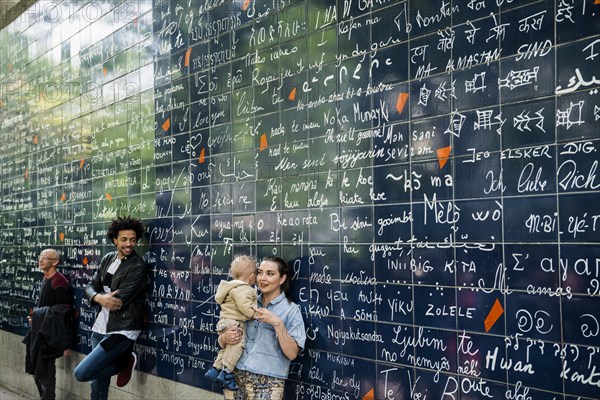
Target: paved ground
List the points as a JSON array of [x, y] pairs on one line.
[[6, 394]]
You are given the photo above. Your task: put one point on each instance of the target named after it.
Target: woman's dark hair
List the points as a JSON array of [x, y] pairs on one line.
[[125, 224], [283, 270]]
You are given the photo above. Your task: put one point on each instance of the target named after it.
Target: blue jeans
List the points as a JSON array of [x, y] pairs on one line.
[[99, 366]]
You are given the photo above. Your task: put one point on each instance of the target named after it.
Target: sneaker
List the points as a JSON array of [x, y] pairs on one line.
[[231, 385], [227, 380], [124, 376], [212, 374]]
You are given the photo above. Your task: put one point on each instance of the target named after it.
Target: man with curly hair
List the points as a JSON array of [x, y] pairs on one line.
[[119, 288]]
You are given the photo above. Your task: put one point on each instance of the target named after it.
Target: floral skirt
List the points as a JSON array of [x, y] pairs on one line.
[[256, 387]]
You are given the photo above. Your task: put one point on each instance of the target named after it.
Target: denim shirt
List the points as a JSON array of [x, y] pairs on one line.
[[262, 354]]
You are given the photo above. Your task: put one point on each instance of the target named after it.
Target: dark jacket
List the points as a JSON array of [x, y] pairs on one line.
[[130, 280], [48, 336]]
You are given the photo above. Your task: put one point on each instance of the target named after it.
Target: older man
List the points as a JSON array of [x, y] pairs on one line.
[[49, 319]]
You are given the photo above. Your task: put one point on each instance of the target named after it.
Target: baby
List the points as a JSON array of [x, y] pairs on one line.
[[238, 302]]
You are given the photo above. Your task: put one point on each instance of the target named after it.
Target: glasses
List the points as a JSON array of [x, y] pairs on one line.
[[46, 258]]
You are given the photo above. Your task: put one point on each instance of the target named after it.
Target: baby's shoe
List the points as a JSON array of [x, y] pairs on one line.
[[227, 380], [212, 374], [231, 384]]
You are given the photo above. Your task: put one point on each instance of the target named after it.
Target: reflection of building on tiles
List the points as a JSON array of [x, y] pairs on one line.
[[427, 173]]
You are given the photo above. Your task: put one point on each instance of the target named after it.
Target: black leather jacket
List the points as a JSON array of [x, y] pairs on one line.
[[48, 336], [130, 280]]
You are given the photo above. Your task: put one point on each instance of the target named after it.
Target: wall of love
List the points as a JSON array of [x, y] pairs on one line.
[[428, 168]]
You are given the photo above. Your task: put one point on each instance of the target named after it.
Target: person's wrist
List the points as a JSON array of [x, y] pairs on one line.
[[98, 297], [279, 327]]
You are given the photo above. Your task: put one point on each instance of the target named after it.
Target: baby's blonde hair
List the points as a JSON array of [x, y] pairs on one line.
[[242, 266]]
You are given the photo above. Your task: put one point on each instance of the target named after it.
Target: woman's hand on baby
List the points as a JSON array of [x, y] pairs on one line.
[[231, 336]]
